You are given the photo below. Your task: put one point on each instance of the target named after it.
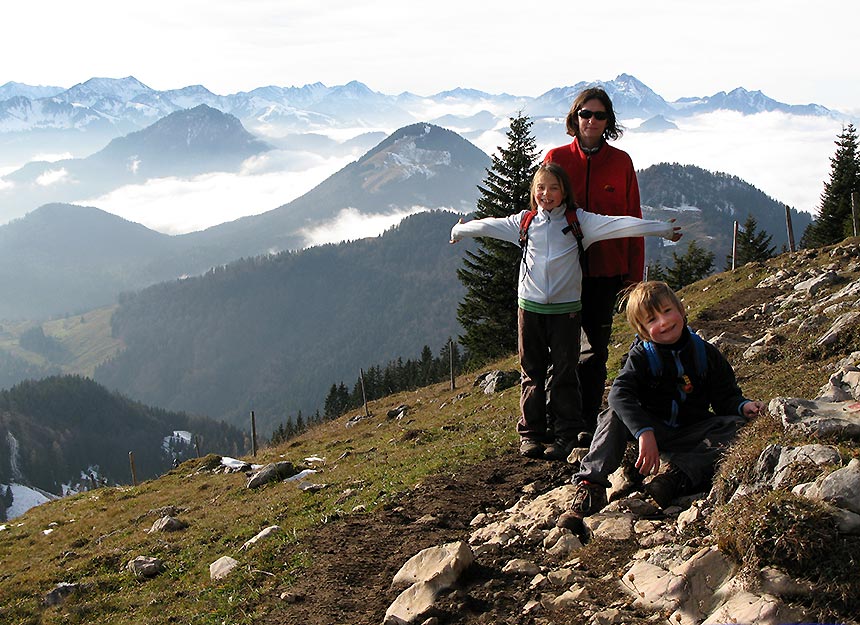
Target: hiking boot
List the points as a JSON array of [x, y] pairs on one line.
[[588, 499], [531, 448], [558, 450], [665, 487], [570, 521]]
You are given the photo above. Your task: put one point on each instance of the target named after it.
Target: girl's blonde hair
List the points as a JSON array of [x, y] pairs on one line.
[[644, 299], [558, 171]]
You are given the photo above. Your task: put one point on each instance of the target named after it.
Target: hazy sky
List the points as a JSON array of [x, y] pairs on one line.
[[796, 52]]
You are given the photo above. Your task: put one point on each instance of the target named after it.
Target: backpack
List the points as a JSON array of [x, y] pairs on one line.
[[573, 226], [700, 360]]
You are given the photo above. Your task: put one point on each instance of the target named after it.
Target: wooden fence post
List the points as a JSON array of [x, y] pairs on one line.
[[451, 361], [789, 228], [854, 202], [734, 244], [363, 393], [133, 472], [253, 435]]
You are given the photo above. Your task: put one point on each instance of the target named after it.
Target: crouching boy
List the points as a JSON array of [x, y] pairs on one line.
[[676, 396]]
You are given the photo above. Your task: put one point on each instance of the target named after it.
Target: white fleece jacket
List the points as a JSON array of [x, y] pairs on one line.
[[551, 273]]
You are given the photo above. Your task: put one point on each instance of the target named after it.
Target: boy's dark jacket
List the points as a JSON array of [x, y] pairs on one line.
[[642, 400]]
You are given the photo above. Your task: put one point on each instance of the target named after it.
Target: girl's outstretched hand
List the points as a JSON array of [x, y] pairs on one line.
[[453, 238]]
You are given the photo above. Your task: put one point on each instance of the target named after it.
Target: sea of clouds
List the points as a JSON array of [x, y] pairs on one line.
[[786, 156]]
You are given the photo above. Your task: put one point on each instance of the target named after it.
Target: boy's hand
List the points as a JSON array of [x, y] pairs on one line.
[[676, 232], [648, 461], [753, 409]]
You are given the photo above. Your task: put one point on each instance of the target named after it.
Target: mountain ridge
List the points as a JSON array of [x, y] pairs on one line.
[[422, 166], [103, 99]]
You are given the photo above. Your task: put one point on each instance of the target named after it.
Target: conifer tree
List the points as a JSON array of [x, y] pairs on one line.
[[488, 311], [834, 220], [656, 271], [696, 263], [752, 245]]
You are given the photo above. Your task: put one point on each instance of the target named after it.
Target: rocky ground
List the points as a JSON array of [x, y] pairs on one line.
[[355, 559]]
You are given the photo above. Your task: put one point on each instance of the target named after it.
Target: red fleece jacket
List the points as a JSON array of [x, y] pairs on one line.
[[605, 183]]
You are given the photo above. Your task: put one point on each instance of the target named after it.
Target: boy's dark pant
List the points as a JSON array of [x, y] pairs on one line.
[[543, 339], [695, 449]]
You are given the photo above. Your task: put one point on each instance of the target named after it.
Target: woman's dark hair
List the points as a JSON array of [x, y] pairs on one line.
[[613, 129], [558, 171]]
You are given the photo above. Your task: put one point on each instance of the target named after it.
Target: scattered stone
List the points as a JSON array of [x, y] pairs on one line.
[[521, 567], [412, 604], [292, 597], [613, 525], [266, 533], [815, 284], [272, 473], [818, 418], [168, 524], [497, 381], [222, 567], [145, 566], [561, 577], [840, 488], [841, 325], [442, 565], [399, 412], [60, 593], [608, 617]]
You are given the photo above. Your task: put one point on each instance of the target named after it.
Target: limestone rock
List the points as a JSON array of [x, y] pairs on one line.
[[272, 473], [497, 381], [266, 533], [60, 593], [818, 418], [145, 566], [168, 524], [442, 565], [222, 567], [411, 604]]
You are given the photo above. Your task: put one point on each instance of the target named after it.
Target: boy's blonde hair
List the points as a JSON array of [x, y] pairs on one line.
[[643, 300]]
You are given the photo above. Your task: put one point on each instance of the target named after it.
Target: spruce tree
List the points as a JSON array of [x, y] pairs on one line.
[[834, 220], [752, 245], [696, 263], [488, 311]]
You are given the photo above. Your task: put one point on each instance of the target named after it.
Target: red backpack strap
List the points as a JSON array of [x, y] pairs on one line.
[[524, 227], [575, 228]]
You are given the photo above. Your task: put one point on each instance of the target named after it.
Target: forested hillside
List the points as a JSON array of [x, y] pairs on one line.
[[706, 204], [271, 334], [53, 430]]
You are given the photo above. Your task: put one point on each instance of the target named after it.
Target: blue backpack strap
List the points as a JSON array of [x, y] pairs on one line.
[[655, 363], [699, 355]]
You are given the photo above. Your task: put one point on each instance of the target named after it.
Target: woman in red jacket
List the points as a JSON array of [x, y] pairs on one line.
[[604, 182]]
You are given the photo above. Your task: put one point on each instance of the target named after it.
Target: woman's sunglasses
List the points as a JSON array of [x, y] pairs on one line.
[[598, 115]]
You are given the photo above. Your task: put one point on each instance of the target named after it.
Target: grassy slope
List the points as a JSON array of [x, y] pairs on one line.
[[96, 533], [86, 340], [367, 465]]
